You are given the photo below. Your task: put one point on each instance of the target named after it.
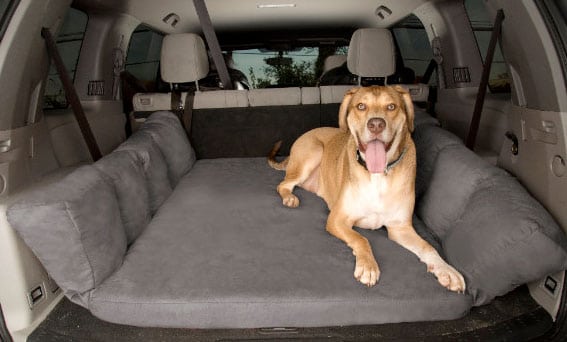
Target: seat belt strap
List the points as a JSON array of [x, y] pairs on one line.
[[188, 114], [429, 71], [213, 42], [183, 112], [475, 120], [71, 94]]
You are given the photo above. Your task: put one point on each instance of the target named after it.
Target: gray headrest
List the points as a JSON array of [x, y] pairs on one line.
[[183, 58], [371, 53]]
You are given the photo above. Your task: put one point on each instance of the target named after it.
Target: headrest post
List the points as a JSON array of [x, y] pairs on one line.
[[197, 86]]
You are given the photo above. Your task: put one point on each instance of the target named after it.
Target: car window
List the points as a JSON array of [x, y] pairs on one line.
[[7, 8], [481, 23], [554, 13], [69, 43], [142, 59], [268, 68], [414, 46]]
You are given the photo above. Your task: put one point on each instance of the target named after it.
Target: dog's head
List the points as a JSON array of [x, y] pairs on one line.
[[378, 118]]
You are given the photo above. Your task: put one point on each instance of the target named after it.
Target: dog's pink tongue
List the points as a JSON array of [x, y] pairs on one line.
[[375, 156]]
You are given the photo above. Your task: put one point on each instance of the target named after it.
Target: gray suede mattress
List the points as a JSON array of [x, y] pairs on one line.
[[222, 252]]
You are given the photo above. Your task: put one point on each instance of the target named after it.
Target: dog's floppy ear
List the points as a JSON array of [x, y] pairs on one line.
[[408, 104], [343, 110]]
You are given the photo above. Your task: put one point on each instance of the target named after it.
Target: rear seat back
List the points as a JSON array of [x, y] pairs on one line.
[[246, 123], [221, 99], [254, 119], [270, 115], [275, 97], [331, 97]]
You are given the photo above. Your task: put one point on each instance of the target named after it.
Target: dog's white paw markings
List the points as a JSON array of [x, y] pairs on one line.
[[291, 201], [366, 271], [448, 277]]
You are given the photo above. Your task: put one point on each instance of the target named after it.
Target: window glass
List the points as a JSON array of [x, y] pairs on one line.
[[414, 45], [268, 68], [143, 55], [7, 8], [69, 43], [3, 7], [481, 23]]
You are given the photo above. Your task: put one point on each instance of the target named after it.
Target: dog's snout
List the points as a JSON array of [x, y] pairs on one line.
[[376, 125]]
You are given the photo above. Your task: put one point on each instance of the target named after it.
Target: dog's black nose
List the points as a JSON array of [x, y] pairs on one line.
[[376, 125]]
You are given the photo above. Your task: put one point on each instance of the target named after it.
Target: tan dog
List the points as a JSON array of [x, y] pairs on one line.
[[365, 171]]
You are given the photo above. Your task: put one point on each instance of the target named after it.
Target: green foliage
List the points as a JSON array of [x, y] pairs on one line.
[[286, 75]]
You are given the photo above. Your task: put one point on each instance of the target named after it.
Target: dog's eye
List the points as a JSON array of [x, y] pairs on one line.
[[391, 107], [361, 106]]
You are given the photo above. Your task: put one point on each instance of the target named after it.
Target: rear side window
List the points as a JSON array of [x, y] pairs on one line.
[[143, 55], [481, 23], [554, 12], [414, 46], [69, 43], [7, 8]]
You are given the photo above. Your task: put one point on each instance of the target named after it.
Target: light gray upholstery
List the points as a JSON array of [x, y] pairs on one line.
[[310, 95], [221, 99], [166, 130], [491, 229], [274, 97], [458, 173], [371, 53], [155, 167], [504, 239], [183, 58], [429, 140], [224, 252], [126, 171], [334, 94], [221, 251], [73, 226]]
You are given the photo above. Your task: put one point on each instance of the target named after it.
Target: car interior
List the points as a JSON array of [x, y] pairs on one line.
[[138, 204]]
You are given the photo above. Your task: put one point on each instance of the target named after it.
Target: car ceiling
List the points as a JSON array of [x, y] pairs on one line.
[[262, 15]]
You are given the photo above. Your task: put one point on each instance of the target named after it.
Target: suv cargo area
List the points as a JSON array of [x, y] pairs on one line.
[[139, 202]]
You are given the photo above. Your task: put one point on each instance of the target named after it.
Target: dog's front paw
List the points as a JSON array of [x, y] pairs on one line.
[[366, 270], [448, 276], [291, 201]]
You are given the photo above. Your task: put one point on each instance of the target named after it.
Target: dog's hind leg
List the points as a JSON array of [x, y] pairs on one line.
[[302, 170]]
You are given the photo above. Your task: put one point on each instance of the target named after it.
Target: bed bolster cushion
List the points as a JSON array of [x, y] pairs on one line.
[[458, 173], [155, 167], [429, 141], [504, 239], [165, 128], [73, 226], [126, 171]]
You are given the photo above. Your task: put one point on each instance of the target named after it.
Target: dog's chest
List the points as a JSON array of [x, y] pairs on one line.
[[373, 203]]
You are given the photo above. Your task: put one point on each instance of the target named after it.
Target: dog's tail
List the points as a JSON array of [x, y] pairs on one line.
[[272, 158]]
